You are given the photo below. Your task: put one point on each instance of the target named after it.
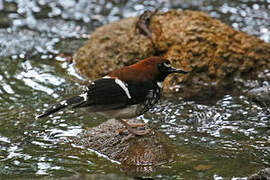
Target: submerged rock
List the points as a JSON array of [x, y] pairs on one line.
[[97, 176], [141, 152], [260, 95], [263, 174], [214, 52]]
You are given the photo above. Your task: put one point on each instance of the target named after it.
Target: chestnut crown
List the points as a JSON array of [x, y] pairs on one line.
[[150, 69]]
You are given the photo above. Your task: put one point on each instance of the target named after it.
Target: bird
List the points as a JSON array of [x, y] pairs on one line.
[[124, 93]]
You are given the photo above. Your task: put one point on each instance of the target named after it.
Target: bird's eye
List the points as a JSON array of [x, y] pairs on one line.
[[167, 64]]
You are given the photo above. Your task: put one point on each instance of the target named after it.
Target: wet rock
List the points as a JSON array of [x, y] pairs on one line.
[[214, 52], [142, 152], [112, 46], [5, 9], [4, 21], [70, 45], [260, 95], [96, 177], [263, 174]]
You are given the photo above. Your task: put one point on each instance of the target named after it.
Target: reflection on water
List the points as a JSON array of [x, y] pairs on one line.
[[222, 138]]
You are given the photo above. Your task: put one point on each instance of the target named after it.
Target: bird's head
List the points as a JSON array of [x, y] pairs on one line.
[[150, 69], [157, 68]]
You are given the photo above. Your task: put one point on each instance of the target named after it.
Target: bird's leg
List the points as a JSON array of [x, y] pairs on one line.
[[134, 125]]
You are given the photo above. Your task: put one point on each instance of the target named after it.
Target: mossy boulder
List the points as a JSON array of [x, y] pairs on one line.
[[138, 153], [214, 52]]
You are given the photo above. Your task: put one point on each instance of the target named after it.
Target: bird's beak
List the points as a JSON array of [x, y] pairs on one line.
[[174, 70]]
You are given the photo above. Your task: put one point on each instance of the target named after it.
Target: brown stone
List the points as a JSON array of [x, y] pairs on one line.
[[142, 152], [112, 46], [214, 52]]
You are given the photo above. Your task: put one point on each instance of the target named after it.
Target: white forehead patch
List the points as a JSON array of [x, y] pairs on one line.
[[160, 84], [167, 64], [123, 86]]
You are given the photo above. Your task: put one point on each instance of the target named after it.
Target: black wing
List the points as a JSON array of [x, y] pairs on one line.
[[104, 94], [107, 94]]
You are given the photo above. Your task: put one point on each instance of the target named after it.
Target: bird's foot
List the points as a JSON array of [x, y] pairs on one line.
[[125, 138], [134, 132], [136, 125], [139, 132], [132, 125]]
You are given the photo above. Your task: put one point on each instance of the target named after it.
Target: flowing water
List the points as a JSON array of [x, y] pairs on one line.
[[222, 138]]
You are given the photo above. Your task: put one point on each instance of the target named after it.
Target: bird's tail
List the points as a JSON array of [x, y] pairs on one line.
[[61, 105]]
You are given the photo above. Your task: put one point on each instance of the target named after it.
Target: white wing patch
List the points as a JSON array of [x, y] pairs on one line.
[[123, 86], [64, 103], [84, 96], [160, 84]]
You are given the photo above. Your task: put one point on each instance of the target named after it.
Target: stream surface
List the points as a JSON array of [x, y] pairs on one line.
[[222, 138]]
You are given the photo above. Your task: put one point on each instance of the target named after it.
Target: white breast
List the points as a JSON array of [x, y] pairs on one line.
[[160, 84], [125, 113]]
